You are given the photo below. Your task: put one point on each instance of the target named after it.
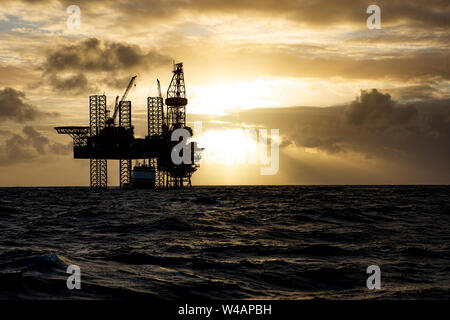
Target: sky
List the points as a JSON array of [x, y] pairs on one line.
[[338, 102]]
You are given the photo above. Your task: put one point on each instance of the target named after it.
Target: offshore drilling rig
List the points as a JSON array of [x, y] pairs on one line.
[[104, 140]]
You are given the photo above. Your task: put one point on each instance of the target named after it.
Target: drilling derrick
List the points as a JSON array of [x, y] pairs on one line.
[[176, 99], [178, 176]]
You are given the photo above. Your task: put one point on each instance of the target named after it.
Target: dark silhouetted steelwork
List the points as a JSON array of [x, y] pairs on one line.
[[79, 134], [125, 122], [176, 99], [178, 176], [98, 167], [155, 111], [160, 176], [99, 173], [112, 120], [103, 140]]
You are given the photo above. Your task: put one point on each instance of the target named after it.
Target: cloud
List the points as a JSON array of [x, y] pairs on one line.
[[117, 82], [249, 61], [93, 55], [414, 135], [415, 92], [77, 83], [244, 49], [35, 139], [28, 146], [67, 67], [13, 107], [401, 35], [312, 12], [420, 65], [13, 76], [376, 109]]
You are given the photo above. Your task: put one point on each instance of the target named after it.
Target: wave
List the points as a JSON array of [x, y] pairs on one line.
[[424, 253], [143, 258], [323, 250], [224, 242]]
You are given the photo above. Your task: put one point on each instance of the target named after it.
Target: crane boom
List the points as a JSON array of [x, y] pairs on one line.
[[160, 96], [116, 108], [159, 88]]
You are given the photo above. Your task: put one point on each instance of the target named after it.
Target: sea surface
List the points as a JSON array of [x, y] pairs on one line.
[[264, 242]]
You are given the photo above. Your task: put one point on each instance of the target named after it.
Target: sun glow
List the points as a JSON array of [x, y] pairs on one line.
[[228, 147], [219, 98]]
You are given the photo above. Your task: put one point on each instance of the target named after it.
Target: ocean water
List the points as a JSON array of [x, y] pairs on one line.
[[288, 242]]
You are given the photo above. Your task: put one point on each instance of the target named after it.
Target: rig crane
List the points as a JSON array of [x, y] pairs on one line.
[[161, 98], [159, 88], [111, 121]]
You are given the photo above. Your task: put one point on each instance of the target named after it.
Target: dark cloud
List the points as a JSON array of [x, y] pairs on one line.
[[13, 107], [29, 146], [35, 139], [415, 92], [376, 109], [93, 55], [77, 83], [68, 67]]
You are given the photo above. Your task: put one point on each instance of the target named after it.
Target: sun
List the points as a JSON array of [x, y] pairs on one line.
[[228, 147]]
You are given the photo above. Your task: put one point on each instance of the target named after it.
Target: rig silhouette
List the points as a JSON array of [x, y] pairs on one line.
[[104, 140]]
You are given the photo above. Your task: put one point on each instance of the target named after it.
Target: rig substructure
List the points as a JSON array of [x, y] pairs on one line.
[[104, 140]]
